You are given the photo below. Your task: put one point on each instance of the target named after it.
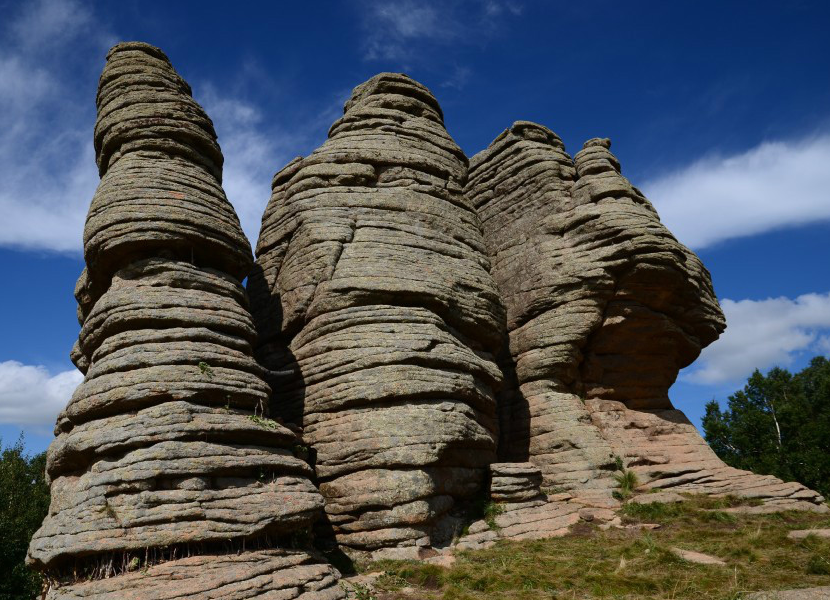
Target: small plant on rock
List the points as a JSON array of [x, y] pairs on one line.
[[264, 422], [491, 511], [626, 480], [206, 369], [361, 592]]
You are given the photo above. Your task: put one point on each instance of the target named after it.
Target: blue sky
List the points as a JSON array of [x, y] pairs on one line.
[[719, 111]]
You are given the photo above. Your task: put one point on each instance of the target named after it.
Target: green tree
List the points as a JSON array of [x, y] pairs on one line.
[[24, 501], [779, 424]]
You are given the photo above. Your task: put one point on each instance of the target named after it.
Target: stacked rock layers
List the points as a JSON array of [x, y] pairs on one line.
[[166, 479], [521, 185], [604, 307], [524, 512], [378, 318]]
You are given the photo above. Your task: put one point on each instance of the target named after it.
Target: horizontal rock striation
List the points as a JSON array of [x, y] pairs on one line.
[[666, 451], [553, 293], [604, 307], [515, 482], [167, 480], [519, 509], [378, 318]]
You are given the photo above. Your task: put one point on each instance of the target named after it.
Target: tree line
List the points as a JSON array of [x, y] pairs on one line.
[[779, 424]]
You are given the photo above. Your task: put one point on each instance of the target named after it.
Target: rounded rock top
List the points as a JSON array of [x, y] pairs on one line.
[[397, 87], [138, 46]]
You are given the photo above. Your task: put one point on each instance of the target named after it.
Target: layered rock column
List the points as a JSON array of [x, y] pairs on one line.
[[167, 478], [604, 307], [662, 313], [553, 292], [378, 318]]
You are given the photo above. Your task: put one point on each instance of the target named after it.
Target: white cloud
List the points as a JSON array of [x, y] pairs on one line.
[[395, 29], [762, 334], [49, 54], [459, 77], [50, 23], [29, 395], [774, 185], [251, 157], [254, 149]]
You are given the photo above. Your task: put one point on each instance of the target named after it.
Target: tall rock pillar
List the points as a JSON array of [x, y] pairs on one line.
[[378, 319], [553, 292], [167, 478]]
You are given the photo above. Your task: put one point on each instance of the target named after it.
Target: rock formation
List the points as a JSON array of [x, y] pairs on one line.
[[604, 307], [433, 333], [378, 319], [168, 481]]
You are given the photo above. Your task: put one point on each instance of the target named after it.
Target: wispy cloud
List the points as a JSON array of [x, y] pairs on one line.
[[255, 149], [48, 57], [459, 77], [50, 24], [774, 185], [400, 32], [761, 334], [31, 396], [51, 54], [251, 156]]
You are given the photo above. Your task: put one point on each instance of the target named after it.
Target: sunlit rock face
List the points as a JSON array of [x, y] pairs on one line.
[[379, 320], [167, 479], [604, 307]]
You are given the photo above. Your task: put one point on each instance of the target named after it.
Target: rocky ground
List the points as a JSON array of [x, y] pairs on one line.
[[700, 548]]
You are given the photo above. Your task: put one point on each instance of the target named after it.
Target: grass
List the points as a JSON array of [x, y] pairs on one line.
[[491, 511], [263, 422], [624, 564], [626, 481]]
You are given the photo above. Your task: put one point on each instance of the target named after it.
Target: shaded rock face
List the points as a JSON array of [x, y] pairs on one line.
[[166, 480], [604, 307], [378, 318]]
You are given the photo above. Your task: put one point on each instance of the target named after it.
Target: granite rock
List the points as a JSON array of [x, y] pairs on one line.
[[167, 478], [378, 319], [604, 307]]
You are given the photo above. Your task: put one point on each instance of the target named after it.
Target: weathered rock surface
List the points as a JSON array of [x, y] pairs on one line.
[[165, 469], [699, 558], [378, 318], [813, 593], [666, 451], [515, 482], [520, 185], [604, 307], [800, 534], [520, 509], [268, 574], [661, 497]]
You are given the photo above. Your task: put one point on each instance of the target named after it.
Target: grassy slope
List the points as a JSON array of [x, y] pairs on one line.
[[630, 563]]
